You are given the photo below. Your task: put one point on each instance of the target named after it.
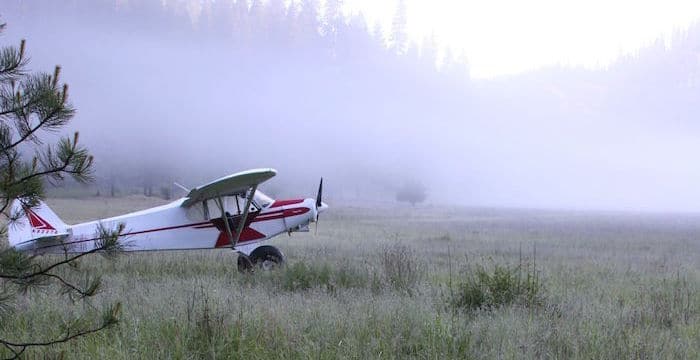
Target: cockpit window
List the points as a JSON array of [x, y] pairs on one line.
[[261, 199]]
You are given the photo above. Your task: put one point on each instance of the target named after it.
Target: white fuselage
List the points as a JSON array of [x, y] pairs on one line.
[[173, 227]]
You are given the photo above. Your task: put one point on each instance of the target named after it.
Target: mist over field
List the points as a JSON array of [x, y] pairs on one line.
[[170, 92]]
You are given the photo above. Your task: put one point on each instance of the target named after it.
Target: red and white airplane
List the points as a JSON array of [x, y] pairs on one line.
[[226, 213]]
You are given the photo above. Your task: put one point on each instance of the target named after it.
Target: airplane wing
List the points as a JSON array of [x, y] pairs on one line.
[[238, 183], [235, 184]]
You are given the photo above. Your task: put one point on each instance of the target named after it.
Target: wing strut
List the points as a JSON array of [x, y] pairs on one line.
[[244, 217], [242, 221], [220, 203]]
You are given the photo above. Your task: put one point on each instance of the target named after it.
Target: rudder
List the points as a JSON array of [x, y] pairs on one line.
[[33, 223]]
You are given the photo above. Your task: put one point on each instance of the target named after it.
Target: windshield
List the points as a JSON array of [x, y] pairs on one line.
[[261, 199]]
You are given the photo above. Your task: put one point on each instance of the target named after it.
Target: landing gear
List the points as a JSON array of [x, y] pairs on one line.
[[267, 257], [244, 263], [263, 257]]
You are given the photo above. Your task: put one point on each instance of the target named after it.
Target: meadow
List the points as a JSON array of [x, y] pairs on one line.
[[399, 282]]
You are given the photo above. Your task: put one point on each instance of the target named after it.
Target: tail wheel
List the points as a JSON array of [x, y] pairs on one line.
[[244, 263], [267, 257]]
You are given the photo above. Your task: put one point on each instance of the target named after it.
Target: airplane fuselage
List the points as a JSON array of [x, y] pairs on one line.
[[173, 227]]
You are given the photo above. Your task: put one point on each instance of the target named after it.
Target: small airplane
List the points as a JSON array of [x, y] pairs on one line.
[[229, 212]]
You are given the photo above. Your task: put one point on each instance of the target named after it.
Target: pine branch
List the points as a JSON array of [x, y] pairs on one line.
[[90, 290], [12, 62], [6, 301], [19, 108], [5, 203], [45, 271], [17, 353], [30, 133], [30, 103], [30, 191], [44, 100], [70, 160], [109, 318]]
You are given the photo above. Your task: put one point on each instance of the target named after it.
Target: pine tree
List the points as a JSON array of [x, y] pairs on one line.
[[411, 192], [32, 104], [399, 31]]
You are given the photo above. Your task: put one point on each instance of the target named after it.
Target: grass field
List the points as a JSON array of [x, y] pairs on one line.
[[423, 282]]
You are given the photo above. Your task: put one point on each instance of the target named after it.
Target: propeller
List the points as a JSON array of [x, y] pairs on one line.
[[319, 194], [319, 203]]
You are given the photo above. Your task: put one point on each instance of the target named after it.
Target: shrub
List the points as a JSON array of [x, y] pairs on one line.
[[302, 276], [501, 286], [401, 267]]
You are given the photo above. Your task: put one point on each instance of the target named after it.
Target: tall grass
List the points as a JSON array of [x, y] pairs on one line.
[[402, 269], [305, 276]]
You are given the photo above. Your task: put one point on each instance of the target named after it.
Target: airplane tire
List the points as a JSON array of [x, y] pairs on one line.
[[244, 264], [267, 257]]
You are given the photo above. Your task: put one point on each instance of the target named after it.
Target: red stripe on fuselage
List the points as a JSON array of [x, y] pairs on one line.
[[281, 214], [279, 203], [197, 225]]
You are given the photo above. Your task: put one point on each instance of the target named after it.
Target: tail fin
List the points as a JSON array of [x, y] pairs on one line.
[[34, 223]]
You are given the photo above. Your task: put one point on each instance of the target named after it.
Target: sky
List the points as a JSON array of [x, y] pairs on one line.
[[505, 37], [195, 89]]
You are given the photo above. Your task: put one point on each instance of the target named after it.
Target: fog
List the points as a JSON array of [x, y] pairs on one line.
[[167, 97]]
